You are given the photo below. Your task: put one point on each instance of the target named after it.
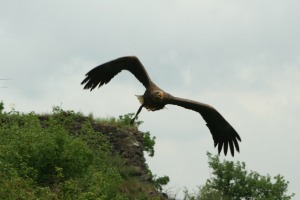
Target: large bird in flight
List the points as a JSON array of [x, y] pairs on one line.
[[154, 98]]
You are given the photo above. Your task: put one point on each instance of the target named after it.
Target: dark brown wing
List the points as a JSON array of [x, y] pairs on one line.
[[102, 74], [223, 133]]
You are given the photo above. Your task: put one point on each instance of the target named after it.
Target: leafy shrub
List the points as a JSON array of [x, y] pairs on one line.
[[61, 156], [45, 160], [1, 107], [231, 180], [149, 144]]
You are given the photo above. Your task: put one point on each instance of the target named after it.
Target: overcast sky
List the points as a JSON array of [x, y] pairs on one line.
[[242, 57]]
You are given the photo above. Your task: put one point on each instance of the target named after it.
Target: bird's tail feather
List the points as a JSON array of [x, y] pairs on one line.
[[140, 98]]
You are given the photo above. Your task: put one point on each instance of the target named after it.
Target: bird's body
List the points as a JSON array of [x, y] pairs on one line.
[[155, 98]]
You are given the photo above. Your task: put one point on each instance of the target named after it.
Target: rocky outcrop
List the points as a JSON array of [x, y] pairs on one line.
[[128, 143]]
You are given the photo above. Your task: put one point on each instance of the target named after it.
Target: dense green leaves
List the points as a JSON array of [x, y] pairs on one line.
[[233, 182], [1, 106], [149, 143], [61, 156], [46, 161]]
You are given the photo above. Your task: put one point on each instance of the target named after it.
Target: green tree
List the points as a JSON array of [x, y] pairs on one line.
[[232, 181], [45, 157], [62, 156], [1, 106]]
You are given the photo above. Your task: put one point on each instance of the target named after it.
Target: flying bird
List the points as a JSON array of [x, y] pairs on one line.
[[154, 98]]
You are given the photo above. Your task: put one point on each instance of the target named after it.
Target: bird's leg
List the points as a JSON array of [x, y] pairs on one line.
[[137, 113]]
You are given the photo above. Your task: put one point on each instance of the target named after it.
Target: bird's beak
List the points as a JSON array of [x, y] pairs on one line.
[[160, 94]]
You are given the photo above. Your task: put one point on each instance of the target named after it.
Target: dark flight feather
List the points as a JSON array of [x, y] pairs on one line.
[[102, 74], [223, 133]]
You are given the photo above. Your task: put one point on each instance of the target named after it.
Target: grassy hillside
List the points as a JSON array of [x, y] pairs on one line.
[[65, 155]]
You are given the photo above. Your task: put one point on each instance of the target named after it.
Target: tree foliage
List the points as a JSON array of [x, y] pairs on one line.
[[149, 143], [44, 157], [231, 181], [1, 106], [44, 161]]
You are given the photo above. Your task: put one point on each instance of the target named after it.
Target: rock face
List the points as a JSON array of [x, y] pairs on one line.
[[129, 144]]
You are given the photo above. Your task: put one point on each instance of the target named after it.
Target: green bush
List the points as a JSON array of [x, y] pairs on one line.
[[47, 161], [61, 156], [231, 180], [149, 144], [1, 107]]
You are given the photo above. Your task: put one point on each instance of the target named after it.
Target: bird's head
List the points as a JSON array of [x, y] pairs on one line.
[[159, 95]]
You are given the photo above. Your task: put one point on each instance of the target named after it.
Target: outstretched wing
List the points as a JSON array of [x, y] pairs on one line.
[[102, 74], [223, 133]]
